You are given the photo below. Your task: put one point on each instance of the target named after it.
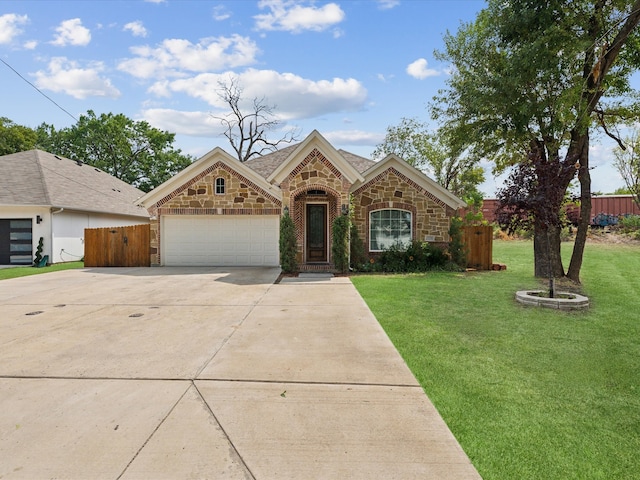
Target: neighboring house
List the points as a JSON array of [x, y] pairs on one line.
[[219, 211], [43, 195]]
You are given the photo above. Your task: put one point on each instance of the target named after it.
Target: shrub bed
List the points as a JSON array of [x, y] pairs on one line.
[[416, 257]]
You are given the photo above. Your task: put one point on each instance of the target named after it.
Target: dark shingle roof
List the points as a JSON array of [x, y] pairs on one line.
[[267, 164], [39, 178]]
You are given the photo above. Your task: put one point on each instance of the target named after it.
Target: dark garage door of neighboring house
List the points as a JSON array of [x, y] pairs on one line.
[[16, 243]]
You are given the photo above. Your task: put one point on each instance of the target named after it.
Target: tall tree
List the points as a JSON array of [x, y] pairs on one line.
[[627, 162], [132, 151], [530, 79], [15, 138], [248, 129], [412, 141]]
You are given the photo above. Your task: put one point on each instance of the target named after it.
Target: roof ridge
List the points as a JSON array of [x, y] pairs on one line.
[[45, 187]]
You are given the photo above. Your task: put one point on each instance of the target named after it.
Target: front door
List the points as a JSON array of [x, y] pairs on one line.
[[316, 233]]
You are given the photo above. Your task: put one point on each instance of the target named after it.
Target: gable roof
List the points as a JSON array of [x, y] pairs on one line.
[[297, 154], [361, 164], [413, 174], [38, 178], [265, 165], [209, 159]]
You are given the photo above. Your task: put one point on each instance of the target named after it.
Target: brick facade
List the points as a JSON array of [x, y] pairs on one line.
[[314, 174], [198, 197], [314, 180], [392, 189]]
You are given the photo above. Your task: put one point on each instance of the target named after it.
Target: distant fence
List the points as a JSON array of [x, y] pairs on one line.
[[478, 241], [616, 205], [117, 246]]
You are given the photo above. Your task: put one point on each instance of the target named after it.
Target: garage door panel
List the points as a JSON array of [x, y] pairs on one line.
[[220, 240]]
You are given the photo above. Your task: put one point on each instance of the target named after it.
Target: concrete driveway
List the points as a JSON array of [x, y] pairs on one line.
[[175, 373]]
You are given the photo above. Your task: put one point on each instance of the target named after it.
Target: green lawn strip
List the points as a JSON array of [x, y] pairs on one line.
[[16, 272], [529, 393]]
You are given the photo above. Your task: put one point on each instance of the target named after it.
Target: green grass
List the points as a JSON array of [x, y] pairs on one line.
[[25, 271], [529, 393]]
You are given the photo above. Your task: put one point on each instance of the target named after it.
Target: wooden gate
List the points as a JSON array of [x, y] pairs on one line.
[[478, 240], [117, 246]]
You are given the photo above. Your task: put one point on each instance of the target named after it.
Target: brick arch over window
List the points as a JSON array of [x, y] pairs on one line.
[[298, 200], [390, 206]]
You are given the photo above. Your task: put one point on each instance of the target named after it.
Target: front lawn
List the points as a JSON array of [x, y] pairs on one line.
[[529, 393], [25, 271]]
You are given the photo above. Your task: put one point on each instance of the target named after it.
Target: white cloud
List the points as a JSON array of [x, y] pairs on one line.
[[175, 56], [291, 16], [198, 124], [66, 76], [136, 28], [419, 70], [384, 78], [10, 26], [71, 32], [387, 4], [220, 13], [354, 137], [30, 45], [294, 97]]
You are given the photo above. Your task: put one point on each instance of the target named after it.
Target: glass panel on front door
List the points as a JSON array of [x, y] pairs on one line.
[[316, 233], [16, 245]]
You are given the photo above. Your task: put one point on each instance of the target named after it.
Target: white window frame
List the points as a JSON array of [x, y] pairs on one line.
[[393, 231], [220, 184]]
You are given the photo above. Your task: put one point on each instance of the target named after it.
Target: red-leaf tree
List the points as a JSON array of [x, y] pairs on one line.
[[530, 79]]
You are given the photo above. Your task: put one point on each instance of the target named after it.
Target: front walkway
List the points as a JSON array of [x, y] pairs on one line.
[[208, 373]]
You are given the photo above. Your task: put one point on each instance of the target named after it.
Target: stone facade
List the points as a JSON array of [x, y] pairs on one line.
[[311, 180], [392, 189], [314, 180], [198, 197]]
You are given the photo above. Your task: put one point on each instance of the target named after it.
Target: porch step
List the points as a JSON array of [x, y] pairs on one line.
[[319, 267]]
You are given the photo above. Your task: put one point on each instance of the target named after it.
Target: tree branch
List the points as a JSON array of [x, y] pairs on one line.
[[600, 114]]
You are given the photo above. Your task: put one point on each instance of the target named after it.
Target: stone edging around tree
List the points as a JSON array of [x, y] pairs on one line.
[[562, 300]]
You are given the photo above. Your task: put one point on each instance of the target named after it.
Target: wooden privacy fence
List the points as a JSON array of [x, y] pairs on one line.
[[478, 241], [117, 246]]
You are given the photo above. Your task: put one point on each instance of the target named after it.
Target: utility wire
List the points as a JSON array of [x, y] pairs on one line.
[[38, 90]]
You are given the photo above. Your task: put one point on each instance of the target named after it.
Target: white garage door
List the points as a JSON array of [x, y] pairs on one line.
[[220, 240]]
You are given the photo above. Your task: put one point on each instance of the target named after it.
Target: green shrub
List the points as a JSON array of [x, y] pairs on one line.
[[415, 257], [340, 243], [630, 223], [38, 256], [288, 245], [457, 250], [356, 245]]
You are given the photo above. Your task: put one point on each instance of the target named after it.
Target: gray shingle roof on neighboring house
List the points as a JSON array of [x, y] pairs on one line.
[[267, 164], [39, 178]]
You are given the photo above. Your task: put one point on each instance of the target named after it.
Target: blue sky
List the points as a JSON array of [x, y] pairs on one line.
[[346, 68]]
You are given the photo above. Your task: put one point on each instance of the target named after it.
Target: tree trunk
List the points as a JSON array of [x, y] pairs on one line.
[[582, 143], [546, 251]]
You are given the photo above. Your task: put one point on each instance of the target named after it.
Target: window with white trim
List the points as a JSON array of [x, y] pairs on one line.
[[388, 228], [219, 186]]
